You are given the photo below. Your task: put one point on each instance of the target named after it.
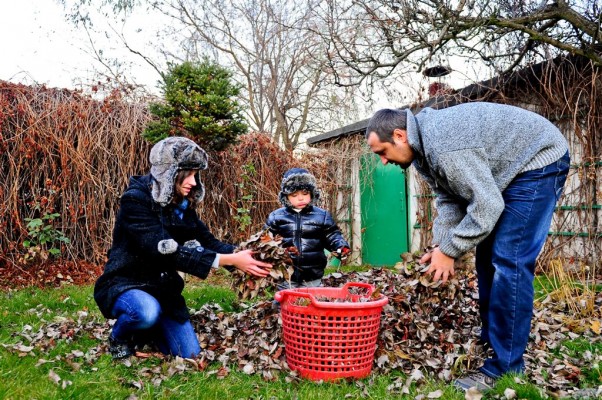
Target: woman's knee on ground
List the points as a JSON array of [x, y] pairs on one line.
[[141, 308], [148, 316]]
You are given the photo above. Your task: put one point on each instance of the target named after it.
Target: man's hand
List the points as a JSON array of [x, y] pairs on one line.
[[244, 261], [442, 266]]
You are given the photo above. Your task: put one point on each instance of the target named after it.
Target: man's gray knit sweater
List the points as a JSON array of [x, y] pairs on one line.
[[469, 154]]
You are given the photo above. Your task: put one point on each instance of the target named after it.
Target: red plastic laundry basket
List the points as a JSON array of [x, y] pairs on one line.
[[325, 340]]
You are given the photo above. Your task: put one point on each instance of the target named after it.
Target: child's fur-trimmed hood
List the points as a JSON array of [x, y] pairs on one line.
[[298, 179]]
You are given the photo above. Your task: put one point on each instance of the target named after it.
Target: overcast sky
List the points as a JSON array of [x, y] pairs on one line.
[[40, 46]]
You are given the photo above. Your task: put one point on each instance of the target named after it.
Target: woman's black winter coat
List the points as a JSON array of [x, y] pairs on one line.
[[134, 258], [310, 230]]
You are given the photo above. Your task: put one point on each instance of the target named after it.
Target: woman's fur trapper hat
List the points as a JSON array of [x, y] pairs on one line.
[[298, 179], [167, 158]]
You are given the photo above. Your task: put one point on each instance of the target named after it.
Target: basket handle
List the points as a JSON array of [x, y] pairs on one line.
[[279, 296], [368, 286]]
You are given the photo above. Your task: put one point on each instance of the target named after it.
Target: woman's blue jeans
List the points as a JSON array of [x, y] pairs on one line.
[[505, 263], [138, 312]]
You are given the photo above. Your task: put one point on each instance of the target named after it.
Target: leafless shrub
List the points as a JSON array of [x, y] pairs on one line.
[[64, 152]]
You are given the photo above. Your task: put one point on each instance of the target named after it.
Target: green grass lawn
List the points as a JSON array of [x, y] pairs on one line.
[[70, 368]]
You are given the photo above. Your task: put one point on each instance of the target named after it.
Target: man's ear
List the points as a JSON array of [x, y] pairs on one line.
[[400, 135]]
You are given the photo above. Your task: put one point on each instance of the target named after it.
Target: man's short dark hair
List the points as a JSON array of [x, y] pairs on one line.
[[384, 122]]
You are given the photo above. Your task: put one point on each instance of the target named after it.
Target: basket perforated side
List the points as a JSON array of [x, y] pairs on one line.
[[325, 343]]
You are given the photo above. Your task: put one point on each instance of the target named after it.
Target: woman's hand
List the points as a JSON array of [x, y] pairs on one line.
[[245, 262], [442, 265]]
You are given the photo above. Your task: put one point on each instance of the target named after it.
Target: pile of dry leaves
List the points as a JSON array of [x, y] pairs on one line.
[[426, 330], [424, 327]]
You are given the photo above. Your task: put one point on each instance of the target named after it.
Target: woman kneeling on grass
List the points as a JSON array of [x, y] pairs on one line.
[[158, 233]]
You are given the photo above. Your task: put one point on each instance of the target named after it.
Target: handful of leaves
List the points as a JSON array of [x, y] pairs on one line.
[[267, 248]]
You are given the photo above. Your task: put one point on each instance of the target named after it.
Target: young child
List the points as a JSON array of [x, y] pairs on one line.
[[306, 227]]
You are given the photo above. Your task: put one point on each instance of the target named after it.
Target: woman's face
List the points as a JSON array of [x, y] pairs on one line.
[[188, 182]]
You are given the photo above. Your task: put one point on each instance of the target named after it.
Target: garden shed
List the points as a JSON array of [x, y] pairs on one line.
[[372, 204], [386, 211]]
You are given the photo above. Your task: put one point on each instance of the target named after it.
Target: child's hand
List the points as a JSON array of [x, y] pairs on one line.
[[343, 253], [292, 250]]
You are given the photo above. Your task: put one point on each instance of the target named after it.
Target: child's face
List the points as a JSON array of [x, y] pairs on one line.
[[300, 198]]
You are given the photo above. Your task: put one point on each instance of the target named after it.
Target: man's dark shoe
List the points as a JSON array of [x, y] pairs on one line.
[[119, 348], [478, 380]]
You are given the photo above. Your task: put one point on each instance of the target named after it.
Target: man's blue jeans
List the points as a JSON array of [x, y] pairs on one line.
[[505, 263], [138, 312]]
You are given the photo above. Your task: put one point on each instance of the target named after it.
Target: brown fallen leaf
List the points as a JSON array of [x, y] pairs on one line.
[[54, 377]]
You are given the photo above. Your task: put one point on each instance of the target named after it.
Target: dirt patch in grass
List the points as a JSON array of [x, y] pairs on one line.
[[50, 274], [61, 272]]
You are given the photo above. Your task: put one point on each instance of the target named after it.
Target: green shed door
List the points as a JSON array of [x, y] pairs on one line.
[[384, 208]]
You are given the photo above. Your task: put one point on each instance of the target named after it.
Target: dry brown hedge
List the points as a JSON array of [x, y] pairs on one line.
[[67, 153]]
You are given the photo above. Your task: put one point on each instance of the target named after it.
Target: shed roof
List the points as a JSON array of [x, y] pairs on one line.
[[482, 91], [461, 96]]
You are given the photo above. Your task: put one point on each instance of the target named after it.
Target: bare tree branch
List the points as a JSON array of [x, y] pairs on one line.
[[375, 37], [276, 58]]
